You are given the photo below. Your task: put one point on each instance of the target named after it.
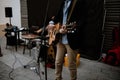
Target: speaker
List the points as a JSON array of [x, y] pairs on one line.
[[8, 11]]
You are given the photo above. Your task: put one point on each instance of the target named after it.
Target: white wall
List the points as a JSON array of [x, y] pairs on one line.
[[16, 19]]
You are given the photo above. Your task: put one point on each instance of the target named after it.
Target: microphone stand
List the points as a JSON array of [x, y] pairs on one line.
[[43, 42]]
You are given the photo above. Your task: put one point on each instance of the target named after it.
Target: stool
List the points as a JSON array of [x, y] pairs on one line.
[[77, 60]]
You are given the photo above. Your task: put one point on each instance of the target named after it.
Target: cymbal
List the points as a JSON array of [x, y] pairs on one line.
[[29, 36]]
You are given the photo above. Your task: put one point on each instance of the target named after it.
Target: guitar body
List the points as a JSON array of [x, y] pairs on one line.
[[54, 35]]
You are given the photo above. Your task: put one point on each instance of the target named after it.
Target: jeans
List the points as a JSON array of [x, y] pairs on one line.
[[61, 50]]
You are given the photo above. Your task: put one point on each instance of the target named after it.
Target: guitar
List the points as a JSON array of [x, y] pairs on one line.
[[52, 33]]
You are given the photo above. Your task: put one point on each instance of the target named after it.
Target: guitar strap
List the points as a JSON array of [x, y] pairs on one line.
[[73, 5]]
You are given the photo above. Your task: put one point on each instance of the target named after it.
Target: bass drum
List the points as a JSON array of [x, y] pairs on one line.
[[51, 56]]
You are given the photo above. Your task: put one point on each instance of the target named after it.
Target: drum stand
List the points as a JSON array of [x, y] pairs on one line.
[[41, 48]]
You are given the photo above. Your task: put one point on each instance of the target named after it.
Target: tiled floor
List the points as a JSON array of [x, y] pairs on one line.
[[12, 68]]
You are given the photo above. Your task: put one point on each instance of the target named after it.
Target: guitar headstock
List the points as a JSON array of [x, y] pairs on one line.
[[71, 28], [71, 24]]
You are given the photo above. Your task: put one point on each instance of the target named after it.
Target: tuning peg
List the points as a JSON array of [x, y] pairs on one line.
[[74, 22], [73, 31]]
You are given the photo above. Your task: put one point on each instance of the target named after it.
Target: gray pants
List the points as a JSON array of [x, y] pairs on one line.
[[61, 50]]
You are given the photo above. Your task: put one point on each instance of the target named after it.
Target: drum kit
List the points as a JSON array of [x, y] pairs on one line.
[[47, 51]]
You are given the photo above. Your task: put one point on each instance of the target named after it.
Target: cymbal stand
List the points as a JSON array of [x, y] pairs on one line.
[[43, 51], [44, 42]]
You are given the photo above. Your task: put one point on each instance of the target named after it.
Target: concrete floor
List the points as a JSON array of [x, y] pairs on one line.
[[12, 67]]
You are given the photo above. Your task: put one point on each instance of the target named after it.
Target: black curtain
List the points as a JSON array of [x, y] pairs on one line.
[[38, 14], [92, 32]]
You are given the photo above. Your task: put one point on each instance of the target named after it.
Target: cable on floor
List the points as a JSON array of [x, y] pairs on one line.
[[10, 73]]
